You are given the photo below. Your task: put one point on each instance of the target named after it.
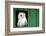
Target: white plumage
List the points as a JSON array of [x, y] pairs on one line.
[[22, 21]]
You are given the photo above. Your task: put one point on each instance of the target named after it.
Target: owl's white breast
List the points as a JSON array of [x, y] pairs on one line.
[[22, 22]]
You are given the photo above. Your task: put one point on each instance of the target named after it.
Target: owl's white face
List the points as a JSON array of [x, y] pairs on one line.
[[21, 15]]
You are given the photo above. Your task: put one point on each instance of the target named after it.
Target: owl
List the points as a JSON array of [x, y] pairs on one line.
[[22, 21]]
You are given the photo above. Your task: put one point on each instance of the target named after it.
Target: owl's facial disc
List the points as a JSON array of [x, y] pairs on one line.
[[21, 15]]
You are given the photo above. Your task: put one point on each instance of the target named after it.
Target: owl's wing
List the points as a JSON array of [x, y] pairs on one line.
[[26, 22], [18, 24]]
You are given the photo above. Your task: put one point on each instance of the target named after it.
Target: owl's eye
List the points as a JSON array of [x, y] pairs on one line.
[[20, 15]]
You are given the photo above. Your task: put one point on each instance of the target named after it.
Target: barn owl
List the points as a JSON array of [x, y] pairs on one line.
[[22, 21]]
